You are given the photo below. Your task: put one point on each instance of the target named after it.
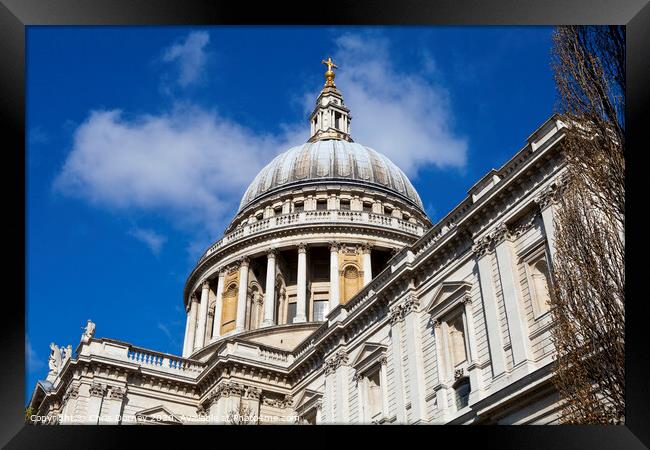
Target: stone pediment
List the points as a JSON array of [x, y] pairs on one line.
[[157, 415], [448, 290], [370, 352], [307, 399]]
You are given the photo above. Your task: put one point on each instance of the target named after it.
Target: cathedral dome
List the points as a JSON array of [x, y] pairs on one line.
[[331, 160]]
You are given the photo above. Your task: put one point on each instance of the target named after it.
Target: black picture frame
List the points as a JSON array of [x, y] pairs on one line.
[[16, 15]]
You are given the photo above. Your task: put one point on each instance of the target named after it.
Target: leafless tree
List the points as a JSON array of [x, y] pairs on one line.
[[588, 302]]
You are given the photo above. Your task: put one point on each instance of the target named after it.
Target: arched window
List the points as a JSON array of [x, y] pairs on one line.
[[229, 308], [351, 282]]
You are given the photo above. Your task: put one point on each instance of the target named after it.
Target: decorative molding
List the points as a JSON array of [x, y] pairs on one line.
[[283, 403], [227, 389], [72, 392], [117, 393], [398, 312], [395, 316], [340, 358], [252, 393], [501, 233], [97, 389], [482, 246], [549, 195], [523, 226]]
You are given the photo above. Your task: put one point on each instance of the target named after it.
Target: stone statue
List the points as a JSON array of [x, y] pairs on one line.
[[89, 331], [55, 359], [66, 353]]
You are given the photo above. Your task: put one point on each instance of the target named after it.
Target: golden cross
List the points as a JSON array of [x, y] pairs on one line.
[[329, 64]]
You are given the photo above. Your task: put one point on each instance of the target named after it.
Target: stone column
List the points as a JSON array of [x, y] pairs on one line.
[[199, 340], [475, 379], [334, 275], [337, 373], [415, 360], [361, 398], [384, 385], [546, 203], [242, 295], [396, 319], [216, 323], [441, 388], [96, 393], [301, 297], [367, 264], [193, 313], [186, 340], [488, 296], [269, 292], [517, 326], [113, 403]]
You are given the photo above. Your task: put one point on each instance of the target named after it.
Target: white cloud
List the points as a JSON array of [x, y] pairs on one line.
[[406, 116], [192, 165], [190, 56], [33, 360], [152, 239]]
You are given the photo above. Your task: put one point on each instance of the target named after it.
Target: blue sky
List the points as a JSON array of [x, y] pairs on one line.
[[141, 141]]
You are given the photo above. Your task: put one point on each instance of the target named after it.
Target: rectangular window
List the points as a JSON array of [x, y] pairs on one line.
[[320, 309], [539, 283], [291, 312], [321, 205], [374, 395], [345, 205], [456, 341]]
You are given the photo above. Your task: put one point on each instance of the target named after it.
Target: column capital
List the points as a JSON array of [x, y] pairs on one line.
[[244, 261], [302, 247], [366, 248], [501, 233], [549, 195], [334, 246], [482, 246], [194, 297], [205, 284], [272, 253]]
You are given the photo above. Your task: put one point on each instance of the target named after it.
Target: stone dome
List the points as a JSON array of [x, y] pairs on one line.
[[331, 160]]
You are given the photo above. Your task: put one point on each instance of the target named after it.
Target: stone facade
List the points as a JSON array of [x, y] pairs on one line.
[[333, 300]]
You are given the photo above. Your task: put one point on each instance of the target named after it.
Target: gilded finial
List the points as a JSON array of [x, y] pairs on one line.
[[329, 75]]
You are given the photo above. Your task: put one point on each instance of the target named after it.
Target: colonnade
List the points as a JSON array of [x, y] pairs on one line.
[[196, 332]]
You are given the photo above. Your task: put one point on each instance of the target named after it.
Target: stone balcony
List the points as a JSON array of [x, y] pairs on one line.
[[313, 217]]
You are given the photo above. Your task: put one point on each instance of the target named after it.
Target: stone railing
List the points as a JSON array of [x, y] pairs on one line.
[[163, 361], [124, 352], [318, 216]]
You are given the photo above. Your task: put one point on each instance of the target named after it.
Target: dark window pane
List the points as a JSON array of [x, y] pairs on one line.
[[291, 312], [462, 394]]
